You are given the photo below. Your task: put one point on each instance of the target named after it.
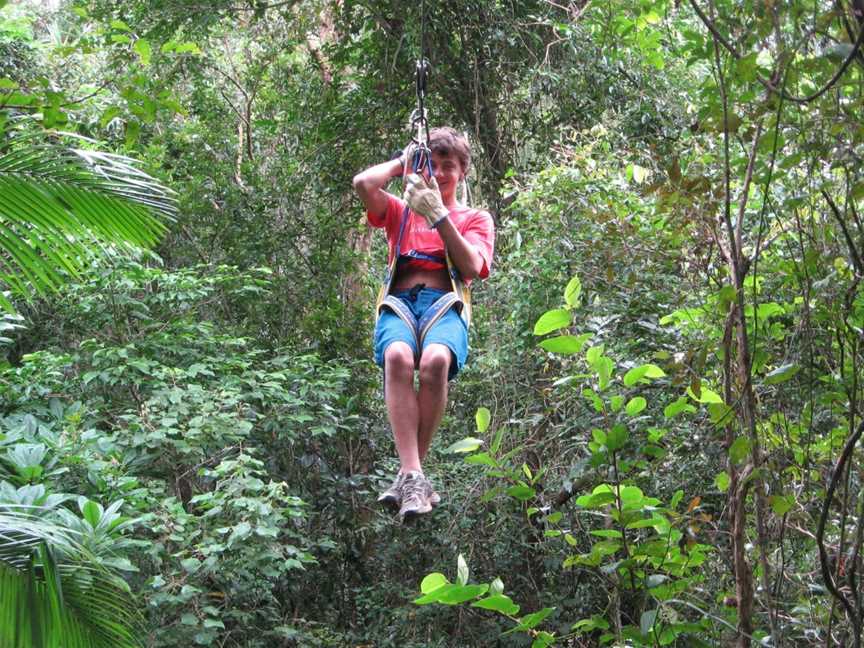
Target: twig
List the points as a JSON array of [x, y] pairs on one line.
[[839, 468], [853, 251]]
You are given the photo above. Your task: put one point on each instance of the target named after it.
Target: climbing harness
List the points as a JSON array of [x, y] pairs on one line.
[[421, 160]]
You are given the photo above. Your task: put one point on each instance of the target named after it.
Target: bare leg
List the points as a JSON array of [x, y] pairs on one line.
[[401, 400], [432, 395]]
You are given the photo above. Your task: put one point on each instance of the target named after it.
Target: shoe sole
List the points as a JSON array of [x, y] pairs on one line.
[[389, 502], [412, 513]]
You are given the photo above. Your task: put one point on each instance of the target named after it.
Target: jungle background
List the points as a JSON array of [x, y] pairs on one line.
[[654, 442]]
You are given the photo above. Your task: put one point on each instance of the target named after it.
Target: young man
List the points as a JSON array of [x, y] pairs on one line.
[[436, 228]]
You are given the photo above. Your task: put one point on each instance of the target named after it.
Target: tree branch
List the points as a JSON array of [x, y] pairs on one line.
[[718, 37], [853, 251]]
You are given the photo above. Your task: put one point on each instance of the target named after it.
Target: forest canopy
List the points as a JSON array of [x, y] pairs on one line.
[[657, 438]]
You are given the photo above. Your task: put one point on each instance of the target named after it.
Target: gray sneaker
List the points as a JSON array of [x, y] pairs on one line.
[[416, 495], [392, 497]]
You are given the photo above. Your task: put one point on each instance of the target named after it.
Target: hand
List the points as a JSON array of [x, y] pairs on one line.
[[425, 199], [405, 158]]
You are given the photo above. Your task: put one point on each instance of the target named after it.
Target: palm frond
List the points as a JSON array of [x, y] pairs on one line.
[[59, 206], [53, 594]]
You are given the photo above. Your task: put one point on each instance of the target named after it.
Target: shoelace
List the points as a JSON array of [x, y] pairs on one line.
[[414, 487]]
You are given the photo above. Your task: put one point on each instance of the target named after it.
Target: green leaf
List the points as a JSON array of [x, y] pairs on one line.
[[636, 405], [632, 495], [674, 408], [596, 622], [468, 444], [637, 374], [187, 48], [133, 129], [482, 458], [191, 565], [532, 620], [452, 594], [740, 450], [599, 436], [110, 113], [594, 354], [432, 582], [617, 437], [722, 481], [746, 68], [781, 504], [607, 533], [646, 621], [552, 321], [16, 100], [498, 603], [122, 26], [543, 639], [521, 492], [781, 374], [143, 50], [483, 417], [600, 496], [566, 344], [705, 395], [92, 513], [572, 292], [591, 395], [52, 583], [720, 413]]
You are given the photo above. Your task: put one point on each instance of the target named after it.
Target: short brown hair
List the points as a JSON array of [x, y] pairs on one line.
[[445, 141]]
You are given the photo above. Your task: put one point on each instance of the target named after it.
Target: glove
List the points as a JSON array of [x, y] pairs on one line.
[[425, 199]]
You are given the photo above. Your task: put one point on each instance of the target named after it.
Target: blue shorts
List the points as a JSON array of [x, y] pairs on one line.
[[450, 330]]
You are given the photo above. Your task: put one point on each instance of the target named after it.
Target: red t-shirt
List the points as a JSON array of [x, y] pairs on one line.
[[475, 225]]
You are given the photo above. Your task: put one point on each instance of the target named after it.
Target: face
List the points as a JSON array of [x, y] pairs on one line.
[[448, 173]]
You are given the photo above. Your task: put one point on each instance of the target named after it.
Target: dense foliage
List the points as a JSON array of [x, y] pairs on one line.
[[656, 439]]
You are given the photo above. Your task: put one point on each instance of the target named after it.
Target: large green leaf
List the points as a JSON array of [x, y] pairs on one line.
[[54, 594], [61, 206]]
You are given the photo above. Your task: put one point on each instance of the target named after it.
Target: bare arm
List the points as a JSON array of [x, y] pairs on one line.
[[369, 185], [468, 260]]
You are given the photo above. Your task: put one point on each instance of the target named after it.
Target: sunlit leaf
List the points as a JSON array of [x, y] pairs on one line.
[[482, 418], [469, 444], [552, 321]]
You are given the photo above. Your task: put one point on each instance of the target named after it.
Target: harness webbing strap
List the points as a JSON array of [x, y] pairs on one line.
[[430, 317], [422, 256], [434, 313], [460, 296]]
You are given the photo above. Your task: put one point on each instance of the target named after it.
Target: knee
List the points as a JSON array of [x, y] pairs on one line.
[[435, 363], [399, 361]]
